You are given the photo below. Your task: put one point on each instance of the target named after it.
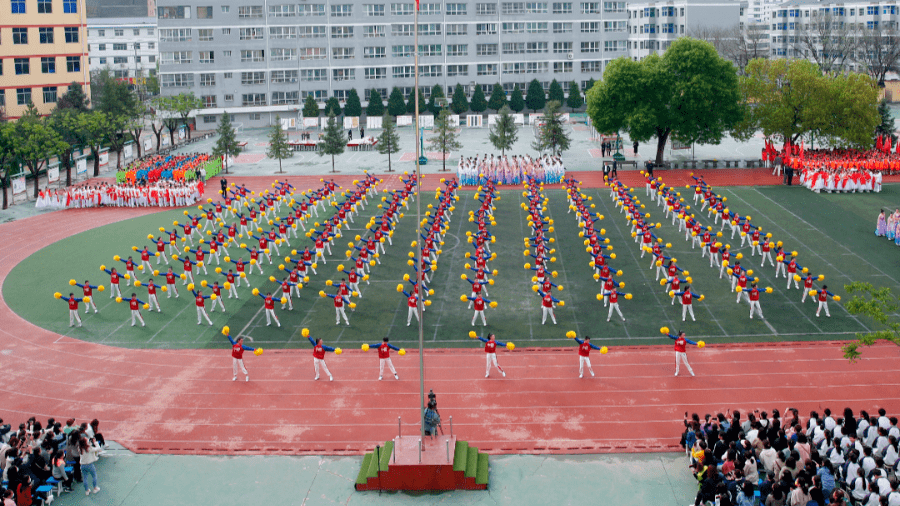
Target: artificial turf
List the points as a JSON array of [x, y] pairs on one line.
[[832, 233]]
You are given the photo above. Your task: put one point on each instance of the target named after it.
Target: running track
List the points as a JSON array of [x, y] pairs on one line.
[[157, 401]]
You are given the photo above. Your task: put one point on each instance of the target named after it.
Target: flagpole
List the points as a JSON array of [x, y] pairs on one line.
[[419, 274]]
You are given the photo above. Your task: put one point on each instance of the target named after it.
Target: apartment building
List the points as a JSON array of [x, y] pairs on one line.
[[258, 60], [653, 26], [43, 48], [127, 46]]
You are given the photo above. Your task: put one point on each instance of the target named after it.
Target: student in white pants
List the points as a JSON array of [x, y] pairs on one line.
[[319, 350], [384, 357], [490, 353], [584, 355], [135, 305], [680, 354], [151, 296], [73, 309]]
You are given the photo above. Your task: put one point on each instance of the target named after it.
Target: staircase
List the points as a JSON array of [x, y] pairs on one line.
[[469, 471]]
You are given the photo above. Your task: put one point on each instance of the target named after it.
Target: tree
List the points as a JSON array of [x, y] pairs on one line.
[[278, 144], [498, 98], [411, 105], [35, 142], [333, 142], [65, 119], [353, 108], [552, 135], [376, 104], [516, 101], [332, 107], [437, 95], [396, 103], [121, 106], [183, 105], [7, 156], [575, 99], [590, 84], [791, 98], [742, 44], [445, 137], [389, 141], [478, 103], [74, 98], [886, 127], [556, 92], [535, 99], [691, 93], [460, 101], [310, 107], [504, 133], [94, 126], [827, 40], [878, 51], [879, 304], [166, 112], [226, 145]]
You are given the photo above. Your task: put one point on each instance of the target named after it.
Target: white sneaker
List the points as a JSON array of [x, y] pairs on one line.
[[248, 378], [316, 378], [396, 377], [331, 378], [96, 489], [379, 378], [87, 492], [592, 374], [488, 375], [503, 373], [581, 375], [234, 378]]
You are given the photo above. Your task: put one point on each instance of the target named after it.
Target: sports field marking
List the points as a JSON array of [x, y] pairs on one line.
[[164, 325]]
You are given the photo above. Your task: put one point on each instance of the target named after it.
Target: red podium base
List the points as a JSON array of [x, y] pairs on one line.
[[445, 464]]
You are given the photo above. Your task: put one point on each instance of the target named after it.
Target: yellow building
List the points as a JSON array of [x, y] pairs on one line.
[[43, 48]]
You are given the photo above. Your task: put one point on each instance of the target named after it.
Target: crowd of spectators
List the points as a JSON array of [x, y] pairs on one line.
[[772, 459], [36, 459]]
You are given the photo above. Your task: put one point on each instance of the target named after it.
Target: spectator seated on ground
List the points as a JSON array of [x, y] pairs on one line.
[[771, 460]]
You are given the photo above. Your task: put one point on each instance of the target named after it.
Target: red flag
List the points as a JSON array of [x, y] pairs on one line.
[[878, 142], [898, 148], [887, 144], [417, 4]]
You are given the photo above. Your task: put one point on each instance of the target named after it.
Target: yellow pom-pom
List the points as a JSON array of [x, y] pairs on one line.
[[472, 334], [365, 347], [284, 300], [338, 351], [837, 298], [100, 288], [137, 283], [118, 300], [190, 286], [255, 291], [57, 295], [628, 296], [510, 346], [258, 352], [146, 306], [493, 304], [402, 352], [701, 344], [117, 258], [164, 289], [664, 330], [527, 265], [203, 283], [604, 350], [304, 332]]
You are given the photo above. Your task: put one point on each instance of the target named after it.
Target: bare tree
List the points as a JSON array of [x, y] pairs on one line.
[[738, 44], [718, 37], [826, 40], [878, 51]]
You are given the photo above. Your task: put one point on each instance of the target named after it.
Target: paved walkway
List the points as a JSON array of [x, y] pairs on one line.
[[127, 479]]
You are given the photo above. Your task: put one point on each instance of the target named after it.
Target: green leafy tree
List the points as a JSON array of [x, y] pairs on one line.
[[504, 133], [121, 105], [690, 93], [556, 92], [227, 144], [411, 105], [94, 126], [333, 142], [167, 113], [65, 119], [74, 98], [437, 95], [376, 104], [396, 103], [498, 98], [886, 127], [332, 107], [575, 99], [590, 84], [35, 142], [310, 107], [552, 135], [184, 104], [278, 144], [479, 103], [389, 140], [516, 101], [536, 99], [445, 138], [7, 157], [353, 107], [879, 304], [460, 101]]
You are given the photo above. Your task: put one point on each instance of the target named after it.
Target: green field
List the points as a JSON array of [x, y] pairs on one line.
[[832, 233]]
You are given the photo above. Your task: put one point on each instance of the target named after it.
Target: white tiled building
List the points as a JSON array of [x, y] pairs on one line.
[[654, 25], [127, 46]]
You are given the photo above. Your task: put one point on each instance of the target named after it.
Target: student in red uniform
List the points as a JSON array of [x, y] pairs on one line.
[[269, 304], [339, 301], [384, 357], [584, 355], [217, 291], [88, 290], [113, 282], [151, 296], [490, 353], [614, 303], [161, 251], [319, 350], [73, 309], [200, 301], [412, 304], [680, 353], [170, 284], [145, 260], [237, 357], [687, 299], [823, 301], [547, 303], [135, 305], [478, 303]]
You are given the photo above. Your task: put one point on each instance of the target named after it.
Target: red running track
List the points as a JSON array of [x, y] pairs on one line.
[[159, 401]]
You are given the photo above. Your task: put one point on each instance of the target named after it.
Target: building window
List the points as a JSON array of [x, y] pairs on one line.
[[70, 7], [151, 45], [285, 97], [562, 27], [341, 32], [318, 95], [486, 49], [405, 51], [49, 94], [120, 47], [341, 10], [341, 53], [457, 70], [250, 11], [375, 72], [121, 60], [45, 35], [229, 98], [615, 26], [590, 47], [283, 54], [619, 7], [174, 12], [251, 99], [430, 9], [456, 29], [175, 35], [591, 27], [486, 9], [561, 67], [456, 9], [283, 32], [510, 8], [176, 58], [486, 29], [310, 75], [205, 12], [284, 76], [283, 11], [207, 57], [312, 32], [2, 98], [20, 35], [429, 49], [226, 31], [487, 69], [205, 35], [430, 29], [562, 8], [252, 78], [343, 74], [457, 49], [404, 30], [255, 116], [538, 67], [18, 6], [313, 53], [136, 32], [23, 96], [208, 118], [207, 80], [592, 66], [101, 61], [590, 8], [513, 27], [374, 10], [430, 71], [312, 10], [402, 9], [226, 8], [251, 33], [403, 72], [562, 47], [374, 52], [119, 32], [612, 46], [256, 55], [373, 31], [45, 7], [23, 66]]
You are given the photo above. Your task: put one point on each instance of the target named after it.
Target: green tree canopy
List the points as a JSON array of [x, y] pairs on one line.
[[886, 126], [332, 107], [389, 141], [74, 98], [376, 104], [479, 103], [121, 106], [35, 142], [445, 138], [227, 143], [353, 107], [498, 98], [310, 107], [504, 133], [278, 144], [333, 142], [536, 99], [552, 136], [556, 92], [460, 101], [879, 304], [516, 101], [575, 99], [7, 156], [690, 93], [411, 105], [396, 103], [437, 94]]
